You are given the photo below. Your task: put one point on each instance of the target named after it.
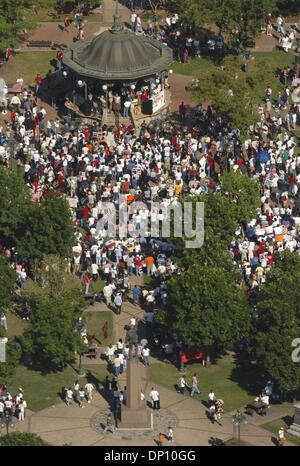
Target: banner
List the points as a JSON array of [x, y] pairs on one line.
[[97, 134], [28, 133], [193, 353]]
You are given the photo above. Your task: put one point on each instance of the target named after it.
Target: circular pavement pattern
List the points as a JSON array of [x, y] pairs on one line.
[[162, 419]]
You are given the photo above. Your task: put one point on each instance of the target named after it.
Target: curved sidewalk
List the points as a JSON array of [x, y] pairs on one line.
[[61, 425]]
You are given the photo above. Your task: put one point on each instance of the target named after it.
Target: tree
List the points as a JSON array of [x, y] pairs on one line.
[[219, 228], [21, 439], [233, 94], [8, 279], [287, 7], [16, 17], [13, 197], [244, 192], [13, 355], [48, 229], [241, 19], [52, 340], [278, 323], [238, 202], [207, 309]]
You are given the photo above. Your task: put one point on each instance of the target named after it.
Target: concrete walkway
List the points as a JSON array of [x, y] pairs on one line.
[[60, 425], [109, 8]]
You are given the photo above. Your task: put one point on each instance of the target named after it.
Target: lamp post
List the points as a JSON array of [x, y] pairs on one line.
[[104, 87], [7, 419], [77, 122], [79, 327], [81, 84], [237, 419], [12, 144]]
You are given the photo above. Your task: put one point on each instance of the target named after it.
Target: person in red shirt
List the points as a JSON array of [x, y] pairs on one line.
[[85, 215], [38, 82], [86, 281], [138, 265], [12, 117], [182, 109], [126, 186]]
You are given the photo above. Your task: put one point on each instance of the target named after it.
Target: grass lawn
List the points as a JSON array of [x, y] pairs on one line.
[[42, 391], [15, 325], [284, 421], [277, 57], [216, 377], [196, 65], [95, 321], [296, 135], [26, 65]]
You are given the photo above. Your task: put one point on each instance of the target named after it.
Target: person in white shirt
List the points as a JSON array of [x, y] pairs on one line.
[[154, 395], [211, 397], [94, 272], [145, 355], [89, 391], [265, 399]]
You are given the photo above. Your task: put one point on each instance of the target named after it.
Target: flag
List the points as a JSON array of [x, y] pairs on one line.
[[104, 329], [109, 243]]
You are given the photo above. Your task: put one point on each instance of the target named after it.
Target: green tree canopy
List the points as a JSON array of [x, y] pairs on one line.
[[278, 323], [48, 229], [55, 310], [244, 192], [13, 198], [234, 94], [14, 20], [8, 278], [207, 308], [241, 19], [12, 359], [22, 439]]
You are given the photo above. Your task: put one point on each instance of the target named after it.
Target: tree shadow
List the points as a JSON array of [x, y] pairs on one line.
[[288, 420], [216, 442], [208, 415], [247, 375], [93, 380], [205, 403]]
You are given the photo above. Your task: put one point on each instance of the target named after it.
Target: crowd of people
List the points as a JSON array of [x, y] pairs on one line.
[[12, 407], [93, 168], [160, 166]]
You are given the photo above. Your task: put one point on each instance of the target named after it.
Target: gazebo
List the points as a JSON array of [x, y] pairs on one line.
[[118, 58]]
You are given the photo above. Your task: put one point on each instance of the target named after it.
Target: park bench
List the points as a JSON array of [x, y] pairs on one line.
[[92, 349], [39, 43], [92, 353], [90, 297], [264, 410], [249, 410]]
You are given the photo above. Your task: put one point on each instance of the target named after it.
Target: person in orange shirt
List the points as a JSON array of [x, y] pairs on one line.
[[149, 263], [160, 439], [178, 188]]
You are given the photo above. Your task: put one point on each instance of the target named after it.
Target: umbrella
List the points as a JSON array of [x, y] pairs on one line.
[[263, 156], [31, 171]]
